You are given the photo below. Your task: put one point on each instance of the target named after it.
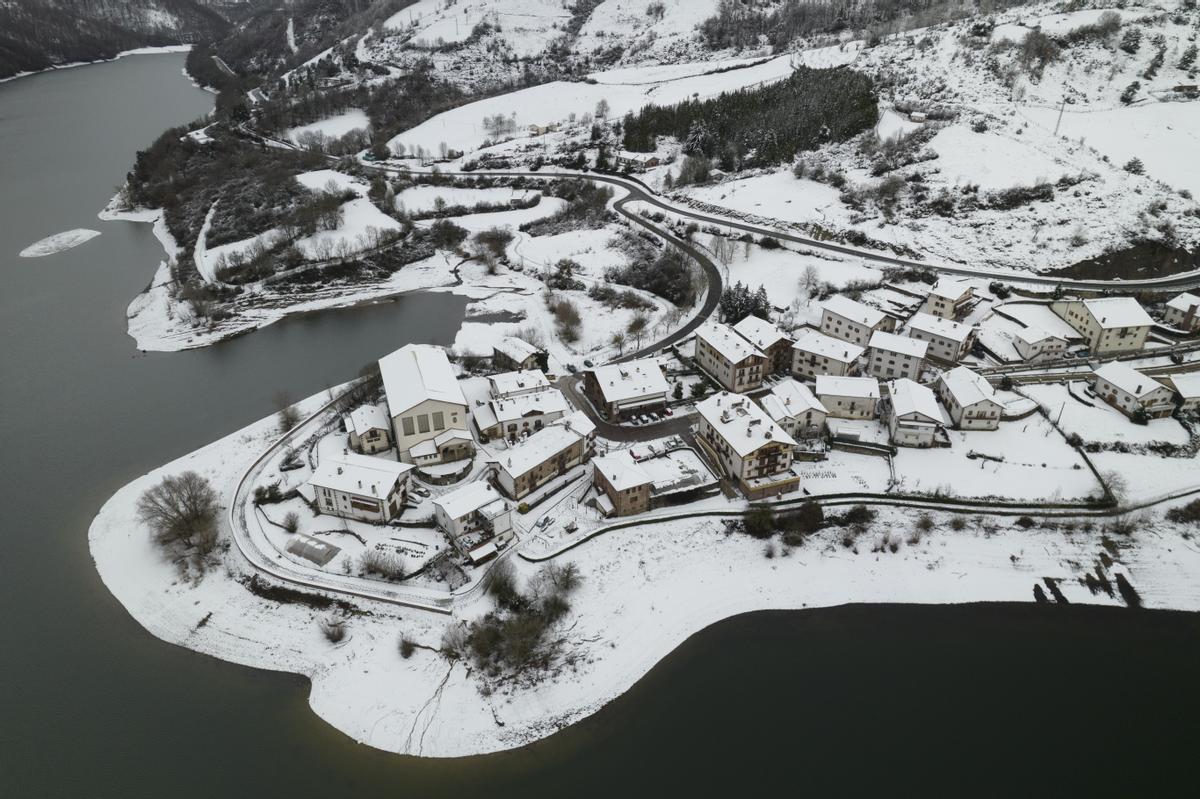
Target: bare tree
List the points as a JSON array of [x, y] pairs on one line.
[[602, 109], [810, 280], [180, 512], [289, 417], [618, 341], [637, 327]]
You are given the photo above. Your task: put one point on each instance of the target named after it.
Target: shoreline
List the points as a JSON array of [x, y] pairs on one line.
[[646, 590], [153, 50]]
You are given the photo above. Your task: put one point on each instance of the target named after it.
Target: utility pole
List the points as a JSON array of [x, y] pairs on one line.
[[1061, 108]]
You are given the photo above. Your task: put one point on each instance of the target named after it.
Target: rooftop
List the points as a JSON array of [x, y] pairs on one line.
[[509, 409], [853, 310], [950, 288], [1033, 335], [790, 398], [1113, 312], [760, 332], [1188, 384], [517, 349], [631, 380], [899, 344], [467, 499], [507, 383], [365, 418], [579, 422], [1128, 379], [968, 388], [621, 471], [358, 474], [909, 397], [937, 326], [1184, 302], [416, 373], [537, 449], [864, 387], [814, 341], [743, 425], [729, 344]]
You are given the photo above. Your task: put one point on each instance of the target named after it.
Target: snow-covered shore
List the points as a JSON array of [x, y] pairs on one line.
[[170, 48], [646, 589]]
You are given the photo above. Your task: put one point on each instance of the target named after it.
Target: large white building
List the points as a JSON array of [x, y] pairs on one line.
[[750, 447], [1129, 391], [624, 390], [848, 397], [815, 353], [518, 414], [948, 340], [360, 487], [970, 399], [551, 452], [850, 320], [1108, 324], [729, 359], [794, 407], [948, 299], [914, 417], [890, 356], [423, 396], [770, 340]]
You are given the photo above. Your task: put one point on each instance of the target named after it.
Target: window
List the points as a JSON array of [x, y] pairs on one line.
[[407, 422], [439, 420], [423, 423]]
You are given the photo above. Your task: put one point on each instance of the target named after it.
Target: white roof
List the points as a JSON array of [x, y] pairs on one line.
[[743, 425], [579, 422], [968, 388], [864, 387], [729, 344], [1188, 385], [539, 403], [1033, 335], [430, 446], [759, 332], [467, 499], [507, 383], [853, 310], [816, 342], [516, 348], [416, 373], [910, 397], [790, 398], [937, 326], [1113, 312], [1183, 302], [359, 474], [365, 418], [901, 344], [621, 471], [631, 380], [950, 288], [1128, 379], [537, 449]]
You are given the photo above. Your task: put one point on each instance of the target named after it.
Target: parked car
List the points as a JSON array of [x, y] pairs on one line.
[[572, 368], [421, 491], [668, 412], [588, 363], [544, 522]]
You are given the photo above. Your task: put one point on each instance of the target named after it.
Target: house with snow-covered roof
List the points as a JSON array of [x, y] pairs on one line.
[[474, 507], [794, 407], [1108, 324], [368, 428], [948, 340], [624, 486], [1187, 391], [360, 487], [948, 298], [772, 341], [750, 447], [848, 397], [729, 359], [970, 399], [551, 452], [623, 390], [815, 353], [522, 381], [1183, 312], [914, 417], [1130, 391], [1034, 344], [517, 354], [520, 414], [423, 396], [850, 320], [890, 356]]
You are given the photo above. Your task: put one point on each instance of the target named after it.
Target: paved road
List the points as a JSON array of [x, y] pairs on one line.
[[677, 425]]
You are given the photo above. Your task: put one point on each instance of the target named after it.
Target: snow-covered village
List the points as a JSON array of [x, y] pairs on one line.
[[498, 352]]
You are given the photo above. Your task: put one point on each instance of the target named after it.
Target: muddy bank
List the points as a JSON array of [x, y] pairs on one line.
[[1146, 260]]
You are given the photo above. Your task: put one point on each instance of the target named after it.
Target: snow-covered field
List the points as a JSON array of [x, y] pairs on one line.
[[59, 242], [991, 161], [421, 199], [645, 590], [1101, 422], [333, 127]]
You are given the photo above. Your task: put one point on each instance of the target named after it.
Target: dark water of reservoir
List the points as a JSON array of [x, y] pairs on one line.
[[965, 701]]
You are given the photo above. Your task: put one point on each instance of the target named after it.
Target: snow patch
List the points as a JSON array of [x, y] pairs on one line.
[[59, 242]]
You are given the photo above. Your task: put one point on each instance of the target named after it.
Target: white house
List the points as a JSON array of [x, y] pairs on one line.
[[948, 340], [849, 320], [423, 396], [970, 399], [369, 429], [360, 487], [769, 339], [512, 416], [914, 417], [1108, 324], [623, 390], [1187, 389], [1183, 312], [447, 446], [815, 353], [548, 453], [474, 507], [848, 397], [1128, 390], [1034, 344], [794, 407], [748, 444], [729, 359], [514, 384], [948, 299], [516, 353], [890, 356]]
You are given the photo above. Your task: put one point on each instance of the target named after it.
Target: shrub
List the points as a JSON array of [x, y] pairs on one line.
[[407, 647], [769, 550], [958, 524], [1189, 513], [1134, 166], [1132, 40], [503, 586], [698, 389], [523, 507], [860, 514], [333, 629], [925, 522], [388, 565], [1025, 522], [760, 521], [264, 495], [445, 235], [291, 522], [1130, 92], [808, 518]]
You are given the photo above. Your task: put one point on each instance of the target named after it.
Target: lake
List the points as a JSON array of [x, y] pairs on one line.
[[955, 701]]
